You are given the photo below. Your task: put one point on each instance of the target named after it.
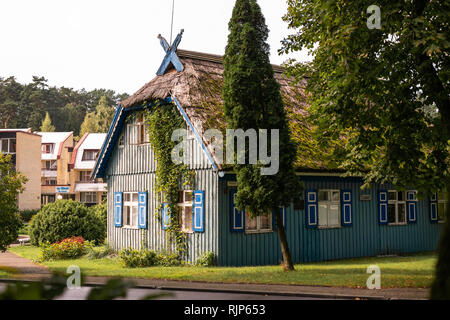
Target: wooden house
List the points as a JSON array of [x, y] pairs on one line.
[[334, 219]]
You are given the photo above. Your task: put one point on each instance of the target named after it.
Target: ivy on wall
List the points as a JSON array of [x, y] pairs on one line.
[[161, 120]]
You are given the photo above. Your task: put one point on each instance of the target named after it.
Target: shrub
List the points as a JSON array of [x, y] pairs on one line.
[[101, 212], [71, 248], [26, 215], [167, 259], [99, 253], [207, 259], [64, 219], [131, 258]]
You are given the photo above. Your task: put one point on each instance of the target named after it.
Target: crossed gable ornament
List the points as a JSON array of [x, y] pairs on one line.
[[171, 54]]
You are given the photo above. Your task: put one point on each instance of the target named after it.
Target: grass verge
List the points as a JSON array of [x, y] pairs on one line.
[[410, 271]]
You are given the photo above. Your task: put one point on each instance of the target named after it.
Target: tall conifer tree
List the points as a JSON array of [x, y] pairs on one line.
[[252, 100]]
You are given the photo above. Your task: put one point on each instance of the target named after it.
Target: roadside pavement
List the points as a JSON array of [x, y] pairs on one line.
[[29, 271]]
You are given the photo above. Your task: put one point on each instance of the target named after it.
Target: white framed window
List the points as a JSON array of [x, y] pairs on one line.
[[51, 165], [130, 209], [88, 197], [442, 204], [85, 176], [397, 207], [47, 147], [89, 155], [8, 145], [258, 224], [138, 132], [329, 203], [185, 207]]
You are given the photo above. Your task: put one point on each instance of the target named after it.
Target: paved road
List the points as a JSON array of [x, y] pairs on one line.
[[137, 294]]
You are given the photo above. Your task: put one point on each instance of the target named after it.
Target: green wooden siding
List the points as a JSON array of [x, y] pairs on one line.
[[364, 238]]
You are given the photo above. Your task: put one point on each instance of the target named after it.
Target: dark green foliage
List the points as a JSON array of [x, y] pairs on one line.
[[26, 215], [102, 252], [25, 105], [383, 91], [101, 212], [161, 121], [11, 183], [64, 219], [252, 100], [131, 258]]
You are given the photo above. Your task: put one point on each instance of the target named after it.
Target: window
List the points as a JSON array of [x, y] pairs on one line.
[[122, 140], [130, 209], [138, 132], [51, 165], [88, 197], [8, 146], [396, 207], [259, 224], [50, 182], [442, 205], [45, 199], [329, 208], [85, 176], [89, 155], [47, 147], [185, 204]]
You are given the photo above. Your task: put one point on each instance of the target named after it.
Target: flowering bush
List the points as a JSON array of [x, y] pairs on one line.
[[70, 248]]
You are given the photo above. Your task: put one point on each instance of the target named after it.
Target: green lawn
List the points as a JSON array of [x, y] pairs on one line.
[[405, 271]]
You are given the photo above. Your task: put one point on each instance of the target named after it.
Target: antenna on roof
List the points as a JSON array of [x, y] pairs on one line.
[[171, 25]]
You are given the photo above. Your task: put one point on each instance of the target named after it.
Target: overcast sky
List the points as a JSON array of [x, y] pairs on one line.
[[112, 43]]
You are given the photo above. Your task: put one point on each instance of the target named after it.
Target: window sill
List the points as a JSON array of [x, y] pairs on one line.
[[398, 224], [326, 227], [130, 228], [257, 231], [441, 221]]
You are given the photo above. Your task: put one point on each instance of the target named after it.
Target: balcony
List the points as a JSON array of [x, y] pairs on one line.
[[49, 173], [90, 187]]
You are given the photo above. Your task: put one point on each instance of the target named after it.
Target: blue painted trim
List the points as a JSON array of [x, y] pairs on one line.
[[241, 214], [346, 204], [198, 221], [118, 207], [433, 205], [383, 207], [142, 210], [311, 209], [197, 136]]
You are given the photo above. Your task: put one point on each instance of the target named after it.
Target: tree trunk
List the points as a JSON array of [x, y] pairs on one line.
[[287, 260], [440, 289]]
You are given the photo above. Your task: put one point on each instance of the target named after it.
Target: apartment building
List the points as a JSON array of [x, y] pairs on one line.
[[24, 147], [84, 156], [56, 154]]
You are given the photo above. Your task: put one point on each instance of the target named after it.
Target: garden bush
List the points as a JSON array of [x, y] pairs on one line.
[[101, 252], [64, 219], [71, 248], [131, 258], [207, 259], [101, 212], [26, 215]]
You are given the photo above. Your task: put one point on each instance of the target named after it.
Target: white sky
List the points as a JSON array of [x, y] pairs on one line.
[[112, 44]]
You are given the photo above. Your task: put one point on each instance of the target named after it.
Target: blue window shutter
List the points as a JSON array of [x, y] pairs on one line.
[[283, 217], [142, 210], [118, 205], [434, 208], [165, 216], [237, 217], [347, 208], [383, 207], [411, 206], [198, 220], [311, 209]]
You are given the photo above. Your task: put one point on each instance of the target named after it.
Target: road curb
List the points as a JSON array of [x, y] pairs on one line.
[[92, 283]]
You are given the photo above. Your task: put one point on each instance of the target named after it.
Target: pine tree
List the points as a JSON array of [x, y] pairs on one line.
[[252, 100], [98, 121], [47, 124]]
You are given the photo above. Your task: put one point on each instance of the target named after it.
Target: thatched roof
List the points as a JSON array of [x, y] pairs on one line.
[[199, 91]]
